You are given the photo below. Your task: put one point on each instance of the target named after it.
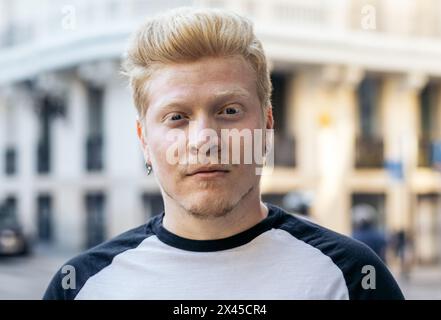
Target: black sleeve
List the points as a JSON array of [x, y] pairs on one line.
[[71, 277], [367, 277], [69, 280], [55, 290]]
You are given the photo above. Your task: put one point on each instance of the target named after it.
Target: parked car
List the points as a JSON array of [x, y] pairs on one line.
[[12, 238]]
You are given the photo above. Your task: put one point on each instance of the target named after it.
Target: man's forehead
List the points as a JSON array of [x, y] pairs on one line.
[[219, 78], [202, 64], [204, 70]]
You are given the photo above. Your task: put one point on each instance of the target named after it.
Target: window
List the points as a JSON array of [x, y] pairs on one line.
[[369, 143], [152, 204], [10, 161], [8, 129], [8, 212], [44, 141], [95, 220], [284, 143], [44, 218], [94, 139], [368, 94], [427, 101]]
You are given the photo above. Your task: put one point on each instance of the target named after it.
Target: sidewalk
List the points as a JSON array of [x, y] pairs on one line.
[[422, 283], [28, 277]]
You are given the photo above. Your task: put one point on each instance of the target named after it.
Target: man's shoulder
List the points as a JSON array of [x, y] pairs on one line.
[[101, 253], [355, 259], [326, 240], [83, 266]]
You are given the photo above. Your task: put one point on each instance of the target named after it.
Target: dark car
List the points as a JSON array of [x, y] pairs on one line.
[[12, 239]]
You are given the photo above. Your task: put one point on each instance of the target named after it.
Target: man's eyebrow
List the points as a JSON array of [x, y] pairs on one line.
[[216, 97], [171, 105]]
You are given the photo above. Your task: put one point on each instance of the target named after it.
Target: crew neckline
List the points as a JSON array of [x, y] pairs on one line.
[[230, 242]]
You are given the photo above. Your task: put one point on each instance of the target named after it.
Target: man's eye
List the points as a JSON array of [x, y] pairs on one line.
[[230, 110], [176, 117]]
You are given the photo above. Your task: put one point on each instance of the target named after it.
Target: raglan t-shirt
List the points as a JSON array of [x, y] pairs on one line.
[[281, 257]]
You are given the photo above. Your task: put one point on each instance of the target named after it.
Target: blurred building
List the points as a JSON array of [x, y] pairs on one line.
[[356, 103]]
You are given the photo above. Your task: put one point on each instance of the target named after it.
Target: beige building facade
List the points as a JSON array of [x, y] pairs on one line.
[[356, 102]]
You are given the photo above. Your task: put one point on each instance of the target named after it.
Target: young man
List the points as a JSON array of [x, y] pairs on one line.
[[195, 71]]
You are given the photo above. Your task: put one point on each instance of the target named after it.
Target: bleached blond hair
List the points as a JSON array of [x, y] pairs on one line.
[[186, 35]]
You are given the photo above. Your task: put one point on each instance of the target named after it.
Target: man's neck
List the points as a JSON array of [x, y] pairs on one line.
[[246, 214]]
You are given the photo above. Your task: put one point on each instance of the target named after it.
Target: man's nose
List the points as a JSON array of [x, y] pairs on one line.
[[202, 132]]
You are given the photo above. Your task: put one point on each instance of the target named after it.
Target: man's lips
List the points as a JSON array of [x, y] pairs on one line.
[[208, 171], [209, 174]]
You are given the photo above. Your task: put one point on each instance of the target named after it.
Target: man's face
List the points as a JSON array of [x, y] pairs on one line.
[[193, 98]]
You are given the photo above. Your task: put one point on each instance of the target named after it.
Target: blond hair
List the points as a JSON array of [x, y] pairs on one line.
[[189, 34]]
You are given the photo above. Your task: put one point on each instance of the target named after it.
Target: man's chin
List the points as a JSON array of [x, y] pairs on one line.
[[205, 205]]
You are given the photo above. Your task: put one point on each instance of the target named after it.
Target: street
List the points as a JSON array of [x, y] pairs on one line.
[[27, 277]]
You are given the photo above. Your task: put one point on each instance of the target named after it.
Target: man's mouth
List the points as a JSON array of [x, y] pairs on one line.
[[209, 172]]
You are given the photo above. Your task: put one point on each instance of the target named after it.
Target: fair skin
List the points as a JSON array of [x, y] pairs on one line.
[[216, 93]]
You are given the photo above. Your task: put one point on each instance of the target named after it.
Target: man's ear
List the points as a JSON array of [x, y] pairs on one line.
[[144, 146], [269, 125], [269, 119]]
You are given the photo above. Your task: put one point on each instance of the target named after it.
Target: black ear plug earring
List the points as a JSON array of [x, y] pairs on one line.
[[149, 168]]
